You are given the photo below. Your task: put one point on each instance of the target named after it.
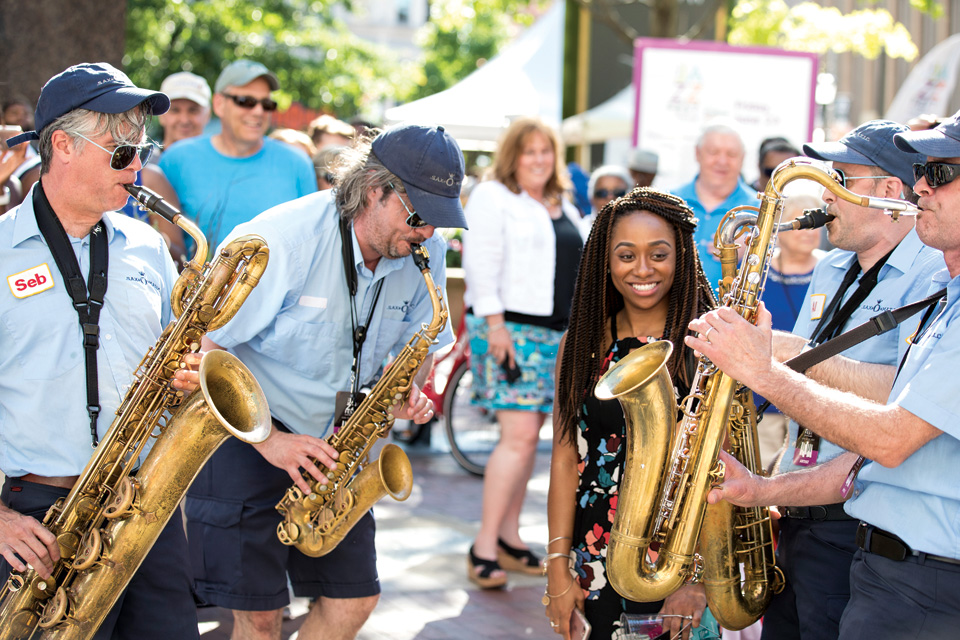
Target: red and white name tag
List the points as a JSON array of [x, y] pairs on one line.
[[817, 303], [29, 282]]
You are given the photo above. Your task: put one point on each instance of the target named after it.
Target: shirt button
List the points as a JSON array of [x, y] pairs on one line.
[[107, 336]]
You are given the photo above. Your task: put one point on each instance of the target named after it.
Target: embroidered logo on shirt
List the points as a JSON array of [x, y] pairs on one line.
[[30, 282], [876, 308], [142, 278], [400, 307], [817, 302]]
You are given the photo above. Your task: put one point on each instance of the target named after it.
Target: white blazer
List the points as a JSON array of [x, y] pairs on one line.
[[509, 251]]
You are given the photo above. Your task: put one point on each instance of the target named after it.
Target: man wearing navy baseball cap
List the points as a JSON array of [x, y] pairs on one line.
[[878, 264], [341, 296], [902, 419], [88, 296]]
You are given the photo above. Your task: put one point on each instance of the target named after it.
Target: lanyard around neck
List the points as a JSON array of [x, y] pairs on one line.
[[837, 315], [87, 296], [359, 332]]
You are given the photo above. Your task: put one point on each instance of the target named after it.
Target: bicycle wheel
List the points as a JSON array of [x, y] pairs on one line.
[[472, 432]]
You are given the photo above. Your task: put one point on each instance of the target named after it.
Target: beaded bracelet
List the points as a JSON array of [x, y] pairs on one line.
[[547, 596]]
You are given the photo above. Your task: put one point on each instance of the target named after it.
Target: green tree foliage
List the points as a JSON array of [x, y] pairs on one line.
[[318, 61], [463, 34]]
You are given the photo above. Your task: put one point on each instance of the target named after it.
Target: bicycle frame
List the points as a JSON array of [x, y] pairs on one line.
[[436, 387]]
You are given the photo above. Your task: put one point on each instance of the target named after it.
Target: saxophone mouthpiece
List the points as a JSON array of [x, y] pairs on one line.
[[152, 200], [420, 257], [812, 219]]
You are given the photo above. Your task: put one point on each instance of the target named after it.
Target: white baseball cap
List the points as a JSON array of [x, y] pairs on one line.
[[187, 86]]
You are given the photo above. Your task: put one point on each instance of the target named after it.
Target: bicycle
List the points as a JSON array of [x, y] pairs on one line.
[[471, 432]]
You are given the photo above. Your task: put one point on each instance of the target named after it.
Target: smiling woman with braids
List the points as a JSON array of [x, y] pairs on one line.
[[640, 280]]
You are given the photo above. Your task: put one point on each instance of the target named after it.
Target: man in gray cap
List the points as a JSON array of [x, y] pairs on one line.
[[232, 176], [342, 288], [904, 572], [878, 264], [643, 167], [62, 325]]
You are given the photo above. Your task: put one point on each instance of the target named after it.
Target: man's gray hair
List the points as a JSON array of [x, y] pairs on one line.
[[126, 127], [358, 172], [722, 128]]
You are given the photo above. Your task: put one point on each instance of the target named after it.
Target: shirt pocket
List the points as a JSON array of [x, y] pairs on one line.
[[307, 347], [391, 332], [45, 348]]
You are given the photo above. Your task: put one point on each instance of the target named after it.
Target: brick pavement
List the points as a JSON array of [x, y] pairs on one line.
[[422, 546]]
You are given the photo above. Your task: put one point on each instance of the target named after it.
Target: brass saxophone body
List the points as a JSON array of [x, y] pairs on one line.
[[116, 510], [316, 523], [669, 470]]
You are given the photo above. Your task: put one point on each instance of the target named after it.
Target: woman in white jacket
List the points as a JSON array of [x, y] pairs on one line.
[[520, 260]]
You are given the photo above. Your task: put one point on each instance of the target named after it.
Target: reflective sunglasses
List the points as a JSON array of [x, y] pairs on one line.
[[844, 178], [413, 220], [123, 156], [249, 102], [609, 193], [936, 173]]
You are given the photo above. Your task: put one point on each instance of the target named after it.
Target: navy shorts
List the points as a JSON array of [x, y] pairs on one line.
[[158, 603], [238, 560]]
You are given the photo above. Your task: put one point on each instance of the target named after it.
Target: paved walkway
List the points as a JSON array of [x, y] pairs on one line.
[[422, 546]]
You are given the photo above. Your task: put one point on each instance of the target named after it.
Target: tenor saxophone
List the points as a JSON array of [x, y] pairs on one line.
[[669, 469], [316, 523], [116, 510]]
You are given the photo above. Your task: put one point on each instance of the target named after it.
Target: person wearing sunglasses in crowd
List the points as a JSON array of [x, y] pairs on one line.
[[340, 261], [90, 122], [772, 152], [230, 177], [879, 264], [607, 183]]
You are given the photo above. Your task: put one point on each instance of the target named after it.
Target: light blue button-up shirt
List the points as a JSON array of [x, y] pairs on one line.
[[294, 331], [44, 425], [903, 279], [920, 499]]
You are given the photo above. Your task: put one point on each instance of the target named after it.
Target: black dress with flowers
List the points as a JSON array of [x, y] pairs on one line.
[[600, 447]]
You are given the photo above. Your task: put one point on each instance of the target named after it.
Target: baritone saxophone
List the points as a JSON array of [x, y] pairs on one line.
[[316, 523], [116, 510], [669, 469]]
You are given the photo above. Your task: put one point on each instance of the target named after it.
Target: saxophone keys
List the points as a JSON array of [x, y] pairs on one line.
[[288, 532], [718, 472], [91, 547], [56, 610], [122, 503]]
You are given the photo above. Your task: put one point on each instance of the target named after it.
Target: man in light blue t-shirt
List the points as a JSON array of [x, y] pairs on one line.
[[228, 178]]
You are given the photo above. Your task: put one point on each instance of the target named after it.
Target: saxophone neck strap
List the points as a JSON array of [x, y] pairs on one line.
[[87, 296], [837, 314]]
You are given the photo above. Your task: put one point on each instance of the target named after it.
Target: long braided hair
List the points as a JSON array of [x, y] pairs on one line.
[[593, 305]]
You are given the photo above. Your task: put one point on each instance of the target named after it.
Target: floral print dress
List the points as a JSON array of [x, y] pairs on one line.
[[600, 446]]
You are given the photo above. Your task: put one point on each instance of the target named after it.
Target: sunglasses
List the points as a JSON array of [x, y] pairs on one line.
[[768, 171], [609, 193], [844, 178], [249, 102], [936, 173], [413, 220], [123, 156]]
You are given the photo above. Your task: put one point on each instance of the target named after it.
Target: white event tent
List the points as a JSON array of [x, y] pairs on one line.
[[524, 79], [612, 119]]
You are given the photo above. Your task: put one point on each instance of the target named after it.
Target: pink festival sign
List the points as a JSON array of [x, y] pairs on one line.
[[682, 87]]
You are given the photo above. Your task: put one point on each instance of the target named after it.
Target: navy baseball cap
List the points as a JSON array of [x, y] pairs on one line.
[[97, 86], [430, 164], [940, 142], [870, 144]]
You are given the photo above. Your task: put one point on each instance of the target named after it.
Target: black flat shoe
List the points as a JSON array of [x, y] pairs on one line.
[[520, 560], [484, 578]]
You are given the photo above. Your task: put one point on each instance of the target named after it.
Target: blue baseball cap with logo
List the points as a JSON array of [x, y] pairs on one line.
[[96, 86], [870, 144], [943, 141], [430, 164]]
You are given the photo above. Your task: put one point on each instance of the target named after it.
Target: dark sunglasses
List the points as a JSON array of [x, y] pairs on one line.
[[609, 193], [413, 220], [936, 173], [123, 156], [249, 102], [844, 178], [768, 171]]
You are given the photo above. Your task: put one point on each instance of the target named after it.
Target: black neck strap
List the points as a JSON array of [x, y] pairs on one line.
[[359, 334], [87, 296], [837, 315]]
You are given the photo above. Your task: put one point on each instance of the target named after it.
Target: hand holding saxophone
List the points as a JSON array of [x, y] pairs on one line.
[[418, 407], [683, 609], [298, 453], [24, 541], [187, 379], [737, 347], [739, 486]]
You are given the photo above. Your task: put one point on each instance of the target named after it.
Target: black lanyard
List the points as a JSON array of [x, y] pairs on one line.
[[359, 334], [87, 296]]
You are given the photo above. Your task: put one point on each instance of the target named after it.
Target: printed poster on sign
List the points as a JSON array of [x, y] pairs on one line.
[[683, 87]]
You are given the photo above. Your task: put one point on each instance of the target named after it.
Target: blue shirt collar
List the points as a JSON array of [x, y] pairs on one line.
[[26, 227]]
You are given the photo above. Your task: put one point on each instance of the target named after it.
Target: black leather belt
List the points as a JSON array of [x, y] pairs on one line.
[[819, 512], [883, 543]]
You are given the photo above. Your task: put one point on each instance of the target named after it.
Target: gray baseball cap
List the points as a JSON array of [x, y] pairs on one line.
[[241, 72]]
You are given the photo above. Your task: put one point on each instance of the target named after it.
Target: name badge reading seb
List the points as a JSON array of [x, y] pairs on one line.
[[30, 282]]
